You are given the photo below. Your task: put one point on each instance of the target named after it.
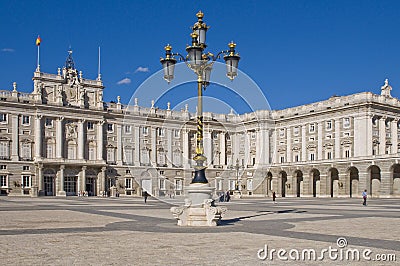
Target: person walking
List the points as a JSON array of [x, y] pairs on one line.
[[364, 195], [145, 194], [274, 197]]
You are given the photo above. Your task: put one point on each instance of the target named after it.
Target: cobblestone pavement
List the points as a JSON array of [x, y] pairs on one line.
[[125, 231]]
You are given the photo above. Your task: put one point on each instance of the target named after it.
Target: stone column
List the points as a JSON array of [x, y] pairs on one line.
[[102, 183], [38, 137], [288, 145], [222, 159], [61, 191], [323, 180], [185, 148], [119, 144], [307, 182], [235, 148], [394, 137], [303, 143], [59, 139], [320, 155], [266, 151], [82, 181], [364, 183], [369, 135], [153, 152], [100, 140], [246, 148], [337, 154], [343, 186], [40, 179], [169, 147], [80, 139], [15, 141], [275, 158], [386, 185], [208, 150], [382, 135], [137, 146]]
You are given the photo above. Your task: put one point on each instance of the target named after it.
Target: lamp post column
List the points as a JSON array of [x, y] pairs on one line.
[[199, 176]]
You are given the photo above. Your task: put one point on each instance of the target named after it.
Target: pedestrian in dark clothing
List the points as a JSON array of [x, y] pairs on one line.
[[145, 194], [274, 197], [228, 196]]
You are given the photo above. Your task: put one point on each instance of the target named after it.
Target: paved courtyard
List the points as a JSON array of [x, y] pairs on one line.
[[125, 231]]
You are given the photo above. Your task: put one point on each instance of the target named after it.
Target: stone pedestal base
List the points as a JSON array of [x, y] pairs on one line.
[[237, 194], [199, 209], [34, 192], [206, 215], [61, 194]]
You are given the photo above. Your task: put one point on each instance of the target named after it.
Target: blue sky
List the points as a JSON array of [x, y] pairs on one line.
[[297, 52]]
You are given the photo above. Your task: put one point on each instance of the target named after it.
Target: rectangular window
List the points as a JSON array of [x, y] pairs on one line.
[[48, 122], [92, 153], [296, 158], [3, 181], [296, 131], [328, 136], [162, 184], [110, 127], [346, 122], [178, 184], [312, 156], [282, 159], [26, 168], [25, 120], [128, 129], [160, 132], [328, 125], [281, 132], [26, 151], [3, 117], [329, 155], [128, 183], [3, 167], [90, 125], [4, 149], [311, 128], [145, 131], [177, 133], [311, 139], [347, 153], [26, 181]]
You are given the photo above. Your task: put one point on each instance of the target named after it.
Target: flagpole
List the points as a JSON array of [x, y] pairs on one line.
[[98, 71], [38, 56]]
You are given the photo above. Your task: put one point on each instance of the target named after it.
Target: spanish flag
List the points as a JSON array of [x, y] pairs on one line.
[[38, 41]]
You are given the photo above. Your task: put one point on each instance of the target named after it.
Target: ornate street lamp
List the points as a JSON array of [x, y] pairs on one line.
[[201, 63]]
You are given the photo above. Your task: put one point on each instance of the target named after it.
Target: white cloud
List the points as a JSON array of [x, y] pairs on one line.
[[124, 81], [142, 69], [9, 50]]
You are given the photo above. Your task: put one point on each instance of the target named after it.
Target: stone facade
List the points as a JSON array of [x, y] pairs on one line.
[[63, 139]]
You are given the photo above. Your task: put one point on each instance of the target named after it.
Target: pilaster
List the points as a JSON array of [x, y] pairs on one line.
[[80, 139], [38, 137], [59, 139], [119, 144], [337, 154], [15, 141], [100, 140], [319, 141]]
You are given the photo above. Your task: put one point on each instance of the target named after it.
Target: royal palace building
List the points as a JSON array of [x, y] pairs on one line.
[[62, 139]]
